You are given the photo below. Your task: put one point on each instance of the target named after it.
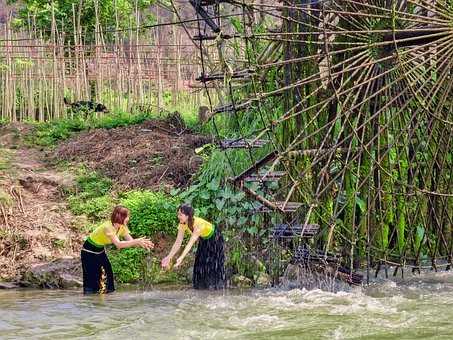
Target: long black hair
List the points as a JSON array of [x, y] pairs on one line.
[[187, 210]]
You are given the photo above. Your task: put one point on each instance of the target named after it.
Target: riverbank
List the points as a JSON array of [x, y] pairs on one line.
[[53, 193]]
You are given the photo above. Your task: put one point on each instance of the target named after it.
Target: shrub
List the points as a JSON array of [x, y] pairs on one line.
[[119, 119], [95, 208], [135, 264], [92, 195], [48, 133], [151, 212], [91, 184], [127, 264]]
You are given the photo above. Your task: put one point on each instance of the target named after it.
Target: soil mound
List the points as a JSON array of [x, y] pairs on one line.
[[154, 154]]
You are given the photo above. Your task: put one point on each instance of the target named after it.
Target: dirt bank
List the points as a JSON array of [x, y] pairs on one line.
[[152, 155], [35, 224]]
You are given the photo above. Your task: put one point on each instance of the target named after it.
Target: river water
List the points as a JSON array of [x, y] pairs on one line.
[[419, 309]]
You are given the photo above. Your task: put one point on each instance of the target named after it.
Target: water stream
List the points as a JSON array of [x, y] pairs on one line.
[[419, 309]]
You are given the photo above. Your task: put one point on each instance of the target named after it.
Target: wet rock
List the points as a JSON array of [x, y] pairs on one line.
[[292, 272], [241, 281], [70, 281], [8, 285], [263, 280], [62, 273]]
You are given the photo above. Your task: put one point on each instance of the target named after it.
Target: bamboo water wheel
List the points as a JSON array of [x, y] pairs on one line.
[[354, 102]]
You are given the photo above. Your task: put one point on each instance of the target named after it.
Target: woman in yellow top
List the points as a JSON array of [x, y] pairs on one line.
[[208, 270], [94, 258]]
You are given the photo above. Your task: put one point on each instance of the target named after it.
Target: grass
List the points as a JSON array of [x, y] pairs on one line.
[[5, 198], [48, 134], [92, 195], [5, 159]]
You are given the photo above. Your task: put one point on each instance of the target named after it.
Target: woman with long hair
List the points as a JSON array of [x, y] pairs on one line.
[[208, 270]]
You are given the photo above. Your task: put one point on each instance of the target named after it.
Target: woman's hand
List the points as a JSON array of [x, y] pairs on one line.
[[165, 263], [178, 262], [144, 243]]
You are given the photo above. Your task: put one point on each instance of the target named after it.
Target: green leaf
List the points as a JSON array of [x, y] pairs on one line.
[[239, 197], [252, 230], [213, 185], [219, 203], [361, 203], [174, 192], [242, 220], [205, 195], [227, 194]]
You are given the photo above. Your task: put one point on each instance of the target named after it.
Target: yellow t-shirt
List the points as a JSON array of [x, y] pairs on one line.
[[206, 228], [100, 235]]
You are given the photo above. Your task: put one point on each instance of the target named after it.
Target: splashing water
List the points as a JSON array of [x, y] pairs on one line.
[[418, 309]]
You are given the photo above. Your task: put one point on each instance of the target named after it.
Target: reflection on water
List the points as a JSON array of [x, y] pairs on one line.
[[419, 309]]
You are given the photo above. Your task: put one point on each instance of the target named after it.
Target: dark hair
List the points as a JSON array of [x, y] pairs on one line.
[[119, 214], [187, 210]]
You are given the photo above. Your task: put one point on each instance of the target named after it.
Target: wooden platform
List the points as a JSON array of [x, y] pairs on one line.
[[242, 143], [289, 207], [293, 231], [264, 176]]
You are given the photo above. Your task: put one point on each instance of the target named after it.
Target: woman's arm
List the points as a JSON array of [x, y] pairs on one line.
[[144, 241], [193, 239], [130, 242], [174, 249]]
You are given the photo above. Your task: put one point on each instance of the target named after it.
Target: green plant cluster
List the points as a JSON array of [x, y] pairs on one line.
[[49, 133], [151, 212], [127, 264], [92, 195], [243, 231], [152, 272]]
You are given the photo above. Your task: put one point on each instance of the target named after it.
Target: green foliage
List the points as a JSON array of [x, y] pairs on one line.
[[238, 261], [127, 264], [93, 184], [152, 272], [134, 265], [49, 133], [419, 237], [119, 119], [95, 208], [62, 10], [91, 196], [210, 196], [214, 198], [151, 212]]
